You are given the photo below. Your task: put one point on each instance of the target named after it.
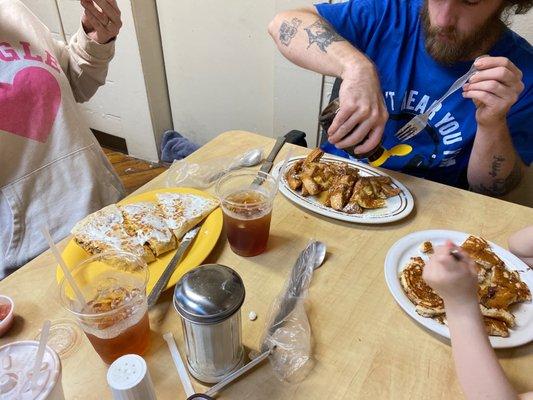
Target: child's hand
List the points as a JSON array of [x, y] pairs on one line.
[[454, 281]]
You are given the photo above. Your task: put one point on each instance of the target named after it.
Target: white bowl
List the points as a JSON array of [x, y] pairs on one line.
[[6, 323]]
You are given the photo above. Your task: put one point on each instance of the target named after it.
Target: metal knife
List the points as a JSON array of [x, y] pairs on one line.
[[169, 270], [280, 141]]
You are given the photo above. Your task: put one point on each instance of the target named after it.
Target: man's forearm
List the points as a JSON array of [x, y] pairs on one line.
[[494, 167], [307, 40]]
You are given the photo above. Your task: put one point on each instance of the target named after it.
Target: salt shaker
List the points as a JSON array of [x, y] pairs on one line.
[[129, 379]]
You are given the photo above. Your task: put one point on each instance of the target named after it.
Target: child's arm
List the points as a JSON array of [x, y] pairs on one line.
[[478, 370], [521, 244]]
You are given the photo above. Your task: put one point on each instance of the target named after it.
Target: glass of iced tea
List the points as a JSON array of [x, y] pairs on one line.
[[115, 315], [246, 199]]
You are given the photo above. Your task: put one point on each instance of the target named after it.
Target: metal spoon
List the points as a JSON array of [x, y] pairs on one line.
[[248, 159], [320, 254]]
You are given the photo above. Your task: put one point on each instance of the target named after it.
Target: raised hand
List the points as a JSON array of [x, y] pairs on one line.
[[101, 19], [494, 89]]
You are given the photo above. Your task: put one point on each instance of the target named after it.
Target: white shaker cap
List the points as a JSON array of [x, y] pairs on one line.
[[129, 379]]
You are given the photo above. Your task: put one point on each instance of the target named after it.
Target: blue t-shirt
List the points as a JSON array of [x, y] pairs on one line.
[[391, 34]]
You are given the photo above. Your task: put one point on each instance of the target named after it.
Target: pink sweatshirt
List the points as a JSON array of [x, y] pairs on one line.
[[52, 170]]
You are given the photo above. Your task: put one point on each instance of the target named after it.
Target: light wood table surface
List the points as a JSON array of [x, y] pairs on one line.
[[365, 347]]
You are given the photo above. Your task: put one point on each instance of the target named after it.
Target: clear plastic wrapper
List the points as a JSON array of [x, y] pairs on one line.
[[288, 327], [202, 175]]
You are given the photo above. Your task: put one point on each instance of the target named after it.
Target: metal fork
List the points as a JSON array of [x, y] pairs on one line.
[[419, 122]]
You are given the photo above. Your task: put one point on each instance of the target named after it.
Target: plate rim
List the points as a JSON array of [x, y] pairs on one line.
[[216, 217], [340, 216], [392, 269]]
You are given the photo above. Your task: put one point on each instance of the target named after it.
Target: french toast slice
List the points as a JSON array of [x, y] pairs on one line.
[[293, 175]]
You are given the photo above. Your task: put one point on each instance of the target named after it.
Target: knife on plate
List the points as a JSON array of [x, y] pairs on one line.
[[161, 283], [290, 137]]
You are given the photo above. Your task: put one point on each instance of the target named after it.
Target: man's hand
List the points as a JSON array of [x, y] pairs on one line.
[[454, 281], [101, 19], [362, 111], [494, 89]]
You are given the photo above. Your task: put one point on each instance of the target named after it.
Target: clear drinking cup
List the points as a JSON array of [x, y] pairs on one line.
[[115, 318], [246, 199]]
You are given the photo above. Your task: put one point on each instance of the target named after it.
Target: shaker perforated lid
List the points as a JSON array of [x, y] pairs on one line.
[[209, 294], [129, 379]]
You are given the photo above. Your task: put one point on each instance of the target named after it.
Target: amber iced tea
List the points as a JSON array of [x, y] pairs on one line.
[[115, 318], [247, 222], [246, 200]]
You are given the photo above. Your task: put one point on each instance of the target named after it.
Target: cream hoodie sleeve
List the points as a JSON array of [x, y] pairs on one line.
[[85, 62]]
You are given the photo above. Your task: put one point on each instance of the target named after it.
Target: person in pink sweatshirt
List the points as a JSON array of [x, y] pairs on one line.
[[476, 364], [52, 170]]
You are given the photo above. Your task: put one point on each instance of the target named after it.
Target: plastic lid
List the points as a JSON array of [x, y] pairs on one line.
[[16, 368], [209, 294]]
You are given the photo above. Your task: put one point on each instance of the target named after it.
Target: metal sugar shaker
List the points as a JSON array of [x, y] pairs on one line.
[[208, 300]]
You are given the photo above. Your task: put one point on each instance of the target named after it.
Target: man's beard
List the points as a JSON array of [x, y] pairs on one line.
[[460, 46]]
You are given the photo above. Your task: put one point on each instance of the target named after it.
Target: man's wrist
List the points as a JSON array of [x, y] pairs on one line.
[[355, 66], [497, 125]]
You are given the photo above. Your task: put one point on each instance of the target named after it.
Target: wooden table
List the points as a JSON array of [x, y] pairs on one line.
[[365, 346]]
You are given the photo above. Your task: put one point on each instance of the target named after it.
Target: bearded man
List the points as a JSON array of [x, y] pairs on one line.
[[396, 58]]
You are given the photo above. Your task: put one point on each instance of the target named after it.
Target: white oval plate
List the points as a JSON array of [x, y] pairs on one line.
[[407, 247], [398, 207]]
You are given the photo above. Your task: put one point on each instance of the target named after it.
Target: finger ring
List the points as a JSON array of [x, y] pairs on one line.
[[109, 22]]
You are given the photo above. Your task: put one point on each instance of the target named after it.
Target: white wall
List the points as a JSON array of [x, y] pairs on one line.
[[127, 106], [224, 72], [523, 24]]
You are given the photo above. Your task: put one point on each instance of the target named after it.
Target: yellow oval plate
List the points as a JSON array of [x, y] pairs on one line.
[[199, 250]]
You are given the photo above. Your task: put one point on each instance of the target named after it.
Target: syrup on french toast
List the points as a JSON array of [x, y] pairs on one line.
[[339, 185]]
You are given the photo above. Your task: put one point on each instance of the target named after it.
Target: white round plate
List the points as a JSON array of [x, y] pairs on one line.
[[407, 247], [398, 207]]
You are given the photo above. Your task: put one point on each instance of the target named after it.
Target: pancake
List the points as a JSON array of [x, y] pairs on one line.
[[479, 250], [428, 303]]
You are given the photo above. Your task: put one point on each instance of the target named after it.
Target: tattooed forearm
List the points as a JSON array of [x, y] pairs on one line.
[[496, 166], [322, 34], [288, 30], [500, 186]]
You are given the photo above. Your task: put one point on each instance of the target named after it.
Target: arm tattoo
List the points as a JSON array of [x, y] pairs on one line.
[[496, 166], [322, 34], [500, 186], [288, 30]]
